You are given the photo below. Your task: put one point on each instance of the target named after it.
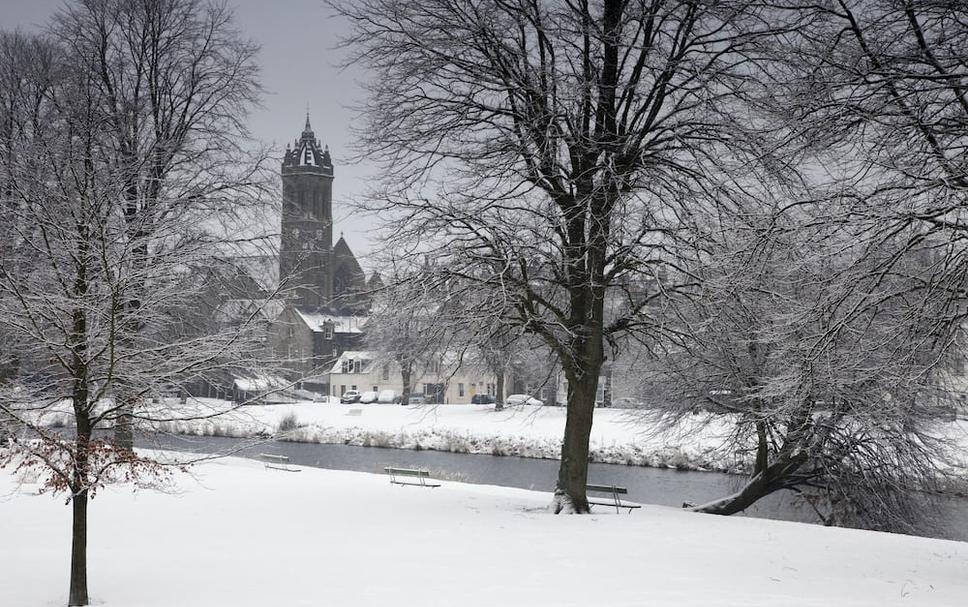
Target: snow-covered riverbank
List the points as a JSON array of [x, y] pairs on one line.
[[244, 536], [618, 437]]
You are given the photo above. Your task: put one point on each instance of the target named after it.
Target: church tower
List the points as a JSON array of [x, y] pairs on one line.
[[305, 257]]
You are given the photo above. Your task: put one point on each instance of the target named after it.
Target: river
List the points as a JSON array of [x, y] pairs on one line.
[[660, 486]]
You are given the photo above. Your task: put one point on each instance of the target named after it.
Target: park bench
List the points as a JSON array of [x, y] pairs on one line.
[[610, 495], [276, 462], [421, 476]]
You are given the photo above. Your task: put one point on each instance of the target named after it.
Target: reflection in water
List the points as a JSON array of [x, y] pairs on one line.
[[646, 485]]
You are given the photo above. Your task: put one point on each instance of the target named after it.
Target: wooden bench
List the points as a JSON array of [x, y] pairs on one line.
[[276, 462], [612, 492], [421, 476]]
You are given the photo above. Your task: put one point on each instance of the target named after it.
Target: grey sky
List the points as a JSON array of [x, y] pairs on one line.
[[298, 68]]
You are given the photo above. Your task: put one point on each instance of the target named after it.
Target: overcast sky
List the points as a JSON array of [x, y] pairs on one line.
[[298, 68]]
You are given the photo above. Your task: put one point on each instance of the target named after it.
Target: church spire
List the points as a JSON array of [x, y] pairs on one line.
[[307, 153], [308, 130]]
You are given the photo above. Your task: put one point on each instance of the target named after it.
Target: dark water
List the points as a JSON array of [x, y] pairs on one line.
[[646, 485]]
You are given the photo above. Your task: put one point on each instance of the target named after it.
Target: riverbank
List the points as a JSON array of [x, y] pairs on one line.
[[245, 536], [618, 435]]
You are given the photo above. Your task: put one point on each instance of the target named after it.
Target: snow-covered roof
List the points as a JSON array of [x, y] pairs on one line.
[[260, 383], [362, 355], [341, 324]]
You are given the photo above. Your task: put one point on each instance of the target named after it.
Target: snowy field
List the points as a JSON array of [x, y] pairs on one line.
[[617, 436], [244, 536]]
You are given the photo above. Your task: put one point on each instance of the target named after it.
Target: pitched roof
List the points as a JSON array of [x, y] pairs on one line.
[[342, 248], [341, 324], [375, 282], [361, 355]]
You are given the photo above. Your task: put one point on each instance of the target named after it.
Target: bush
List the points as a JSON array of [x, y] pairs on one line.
[[288, 423]]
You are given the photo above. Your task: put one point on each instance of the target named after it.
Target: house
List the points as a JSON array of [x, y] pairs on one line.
[[307, 343], [443, 379]]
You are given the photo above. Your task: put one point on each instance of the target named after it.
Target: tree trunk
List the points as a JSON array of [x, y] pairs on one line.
[[573, 471], [405, 376], [80, 393], [779, 475], [499, 389], [78, 591], [755, 489], [79, 484], [124, 430]]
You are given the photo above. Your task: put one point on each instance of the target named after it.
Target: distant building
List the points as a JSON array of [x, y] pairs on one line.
[[316, 274], [442, 379], [325, 289], [312, 341]]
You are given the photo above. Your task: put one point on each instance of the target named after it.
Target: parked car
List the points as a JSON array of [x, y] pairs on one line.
[[482, 399], [350, 396], [368, 397], [522, 399], [387, 397], [417, 399]]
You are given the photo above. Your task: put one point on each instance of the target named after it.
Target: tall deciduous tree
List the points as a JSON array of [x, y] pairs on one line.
[[573, 141], [175, 80], [122, 187]]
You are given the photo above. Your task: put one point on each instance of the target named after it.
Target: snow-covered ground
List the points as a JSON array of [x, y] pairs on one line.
[[244, 536], [617, 436]]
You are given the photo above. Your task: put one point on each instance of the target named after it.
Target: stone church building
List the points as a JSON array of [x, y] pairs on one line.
[[326, 291]]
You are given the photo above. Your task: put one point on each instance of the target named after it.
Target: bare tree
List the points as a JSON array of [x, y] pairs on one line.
[[547, 150], [406, 327], [116, 204], [877, 93], [828, 366], [496, 349], [175, 80]]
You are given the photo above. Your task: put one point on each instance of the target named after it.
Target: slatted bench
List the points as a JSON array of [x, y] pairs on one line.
[[276, 462], [610, 495], [421, 476]]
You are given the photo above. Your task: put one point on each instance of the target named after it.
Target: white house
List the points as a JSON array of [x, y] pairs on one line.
[[444, 376]]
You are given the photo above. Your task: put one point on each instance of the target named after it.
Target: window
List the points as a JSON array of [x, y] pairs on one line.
[[460, 390], [386, 373], [291, 332], [342, 390], [346, 365], [328, 330], [376, 388], [353, 387], [357, 366]]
